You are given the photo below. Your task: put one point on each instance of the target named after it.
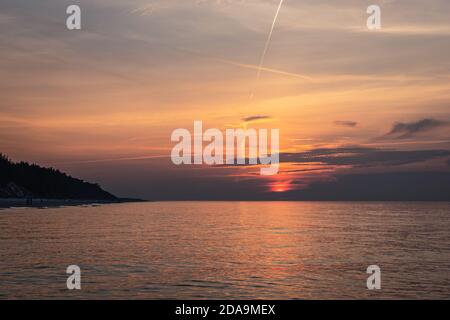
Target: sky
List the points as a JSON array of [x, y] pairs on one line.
[[101, 103]]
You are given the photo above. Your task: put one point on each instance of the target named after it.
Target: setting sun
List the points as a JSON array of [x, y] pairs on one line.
[[281, 186]]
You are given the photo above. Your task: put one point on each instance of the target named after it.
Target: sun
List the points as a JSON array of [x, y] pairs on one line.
[[280, 186]]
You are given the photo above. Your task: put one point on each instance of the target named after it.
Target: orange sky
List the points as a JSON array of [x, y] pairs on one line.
[[84, 101]]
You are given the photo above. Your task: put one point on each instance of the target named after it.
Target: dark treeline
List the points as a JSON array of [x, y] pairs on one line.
[[20, 180]]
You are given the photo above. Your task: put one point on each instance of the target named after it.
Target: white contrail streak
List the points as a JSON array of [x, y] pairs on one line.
[[260, 68], [266, 47], [109, 160]]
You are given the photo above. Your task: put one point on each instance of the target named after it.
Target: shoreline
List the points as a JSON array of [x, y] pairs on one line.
[[6, 203]]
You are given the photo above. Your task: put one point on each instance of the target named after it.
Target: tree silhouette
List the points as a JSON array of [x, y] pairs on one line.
[[38, 182]]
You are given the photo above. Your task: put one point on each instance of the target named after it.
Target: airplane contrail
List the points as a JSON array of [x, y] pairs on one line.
[[266, 47], [261, 68], [109, 160]]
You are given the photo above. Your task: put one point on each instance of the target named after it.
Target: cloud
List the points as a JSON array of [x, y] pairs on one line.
[[255, 118], [346, 123], [389, 186], [363, 157], [402, 130]]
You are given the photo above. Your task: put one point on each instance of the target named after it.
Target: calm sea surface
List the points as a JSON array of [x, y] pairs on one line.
[[221, 250]]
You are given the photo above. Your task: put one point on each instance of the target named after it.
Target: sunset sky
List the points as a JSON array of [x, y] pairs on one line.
[[101, 103]]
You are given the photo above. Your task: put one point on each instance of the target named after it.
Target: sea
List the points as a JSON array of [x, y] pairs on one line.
[[227, 250]]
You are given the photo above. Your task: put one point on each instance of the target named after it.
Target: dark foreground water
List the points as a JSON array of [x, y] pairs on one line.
[[221, 250]]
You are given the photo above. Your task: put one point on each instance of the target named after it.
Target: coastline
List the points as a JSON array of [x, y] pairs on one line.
[[6, 203]]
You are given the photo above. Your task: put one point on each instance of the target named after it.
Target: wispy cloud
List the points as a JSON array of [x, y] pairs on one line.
[[408, 30], [404, 130], [255, 118], [346, 123], [363, 157]]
